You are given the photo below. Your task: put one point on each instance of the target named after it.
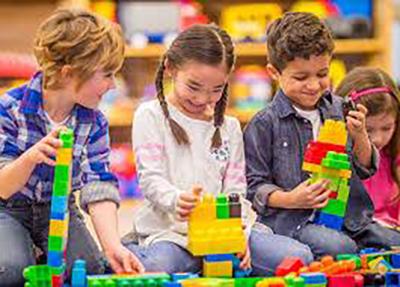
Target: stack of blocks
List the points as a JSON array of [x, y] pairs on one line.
[[326, 158], [52, 274], [215, 232]]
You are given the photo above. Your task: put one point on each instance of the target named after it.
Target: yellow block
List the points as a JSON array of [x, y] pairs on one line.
[[271, 282], [217, 269], [311, 167], [58, 227], [64, 156]]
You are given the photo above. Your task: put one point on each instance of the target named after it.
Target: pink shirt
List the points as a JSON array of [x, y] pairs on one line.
[[381, 188]]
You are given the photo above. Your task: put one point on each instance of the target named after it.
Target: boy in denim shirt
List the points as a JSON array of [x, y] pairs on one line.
[[300, 49]]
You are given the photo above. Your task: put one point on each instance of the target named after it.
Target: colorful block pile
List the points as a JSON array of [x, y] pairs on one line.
[[326, 158]]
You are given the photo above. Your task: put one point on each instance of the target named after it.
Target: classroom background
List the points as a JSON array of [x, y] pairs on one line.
[[367, 32]]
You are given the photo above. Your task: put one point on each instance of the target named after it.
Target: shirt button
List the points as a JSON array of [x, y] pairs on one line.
[[298, 227], [285, 144]]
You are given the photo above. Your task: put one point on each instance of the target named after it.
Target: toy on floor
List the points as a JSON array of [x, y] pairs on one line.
[[216, 232], [53, 273], [326, 158]]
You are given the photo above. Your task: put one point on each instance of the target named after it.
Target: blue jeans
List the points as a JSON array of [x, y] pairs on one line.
[[24, 225], [325, 241], [267, 251]]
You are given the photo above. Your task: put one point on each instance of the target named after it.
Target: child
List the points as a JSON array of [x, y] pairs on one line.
[[374, 89], [299, 52], [184, 139], [78, 54]]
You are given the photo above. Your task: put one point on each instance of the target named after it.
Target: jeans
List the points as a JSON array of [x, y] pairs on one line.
[[24, 225], [267, 251], [325, 241], [378, 236]]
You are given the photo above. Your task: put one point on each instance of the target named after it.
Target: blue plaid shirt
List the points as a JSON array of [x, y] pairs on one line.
[[23, 123]]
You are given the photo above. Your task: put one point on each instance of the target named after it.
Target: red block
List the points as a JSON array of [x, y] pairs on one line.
[[57, 281], [342, 280], [288, 265]]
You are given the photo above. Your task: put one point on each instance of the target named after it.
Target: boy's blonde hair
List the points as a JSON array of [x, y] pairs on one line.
[[80, 39]]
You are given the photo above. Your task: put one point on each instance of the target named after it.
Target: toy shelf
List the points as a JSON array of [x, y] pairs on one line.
[[348, 46]]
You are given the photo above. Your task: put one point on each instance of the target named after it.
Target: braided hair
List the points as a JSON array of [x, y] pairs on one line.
[[206, 44]]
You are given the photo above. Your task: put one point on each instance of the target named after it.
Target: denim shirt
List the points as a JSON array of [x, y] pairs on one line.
[[275, 141]]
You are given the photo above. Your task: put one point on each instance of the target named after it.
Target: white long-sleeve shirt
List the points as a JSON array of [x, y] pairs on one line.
[[165, 169]]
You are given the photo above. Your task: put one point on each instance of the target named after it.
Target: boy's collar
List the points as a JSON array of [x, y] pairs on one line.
[[285, 106], [32, 101]]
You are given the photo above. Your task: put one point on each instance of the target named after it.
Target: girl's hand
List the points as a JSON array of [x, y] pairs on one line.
[[187, 201], [45, 150], [123, 261], [306, 195], [245, 259], [355, 122]]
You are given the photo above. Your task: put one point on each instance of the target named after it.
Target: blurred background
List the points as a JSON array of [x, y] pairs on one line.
[[367, 32]]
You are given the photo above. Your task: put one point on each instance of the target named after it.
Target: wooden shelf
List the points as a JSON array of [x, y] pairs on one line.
[[348, 46]]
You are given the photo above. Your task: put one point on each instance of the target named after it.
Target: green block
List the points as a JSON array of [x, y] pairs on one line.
[[38, 275], [61, 173], [222, 206], [292, 281], [60, 188], [56, 243], [343, 193], [356, 259], [67, 137], [58, 270], [336, 161], [335, 207]]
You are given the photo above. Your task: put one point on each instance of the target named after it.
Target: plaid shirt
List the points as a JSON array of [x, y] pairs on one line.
[[23, 123]]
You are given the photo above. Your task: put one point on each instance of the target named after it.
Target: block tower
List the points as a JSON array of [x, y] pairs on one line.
[[326, 158], [215, 232], [52, 274]]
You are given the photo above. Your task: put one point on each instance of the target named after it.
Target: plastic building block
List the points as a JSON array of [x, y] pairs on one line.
[[222, 206], [335, 207], [314, 278], [78, 278], [58, 227], [218, 269], [395, 260], [342, 280], [219, 257], [38, 275], [289, 265], [235, 207], [392, 279], [329, 220]]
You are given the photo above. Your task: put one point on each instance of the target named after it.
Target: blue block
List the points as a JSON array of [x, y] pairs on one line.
[[329, 220], [182, 276], [314, 278], [78, 278], [236, 263], [369, 250], [170, 284], [395, 260], [219, 257], [55, 259], [242, 273], [59, 204], [392, 279]]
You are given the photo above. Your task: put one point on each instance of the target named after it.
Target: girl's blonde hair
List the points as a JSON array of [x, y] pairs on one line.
[[363, 78], [80, 39]]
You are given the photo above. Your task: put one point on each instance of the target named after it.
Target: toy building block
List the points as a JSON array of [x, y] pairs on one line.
[[78, 278], [218, 269], [272, 282], [208, 234], [142, 280], [342, 280], [314, 279], [395, 260], [328, 220], [288, 265], [38, 275], [235, 207], [222, 206], [392, 279]]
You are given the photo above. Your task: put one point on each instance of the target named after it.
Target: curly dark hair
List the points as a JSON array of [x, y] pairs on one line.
[[297, 34]]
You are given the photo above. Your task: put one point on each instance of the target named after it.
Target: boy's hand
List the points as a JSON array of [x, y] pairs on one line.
[[123, 261], [45, 150], [245, 259], [355, 122], [306, 195], [187, 201]]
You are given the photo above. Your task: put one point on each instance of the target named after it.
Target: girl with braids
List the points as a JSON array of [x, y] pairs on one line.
[[374, 89], [183, 141], [78, 54]]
